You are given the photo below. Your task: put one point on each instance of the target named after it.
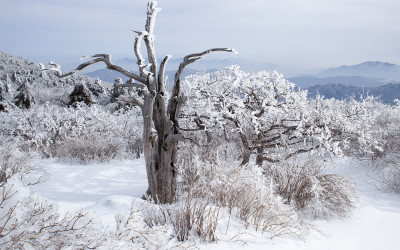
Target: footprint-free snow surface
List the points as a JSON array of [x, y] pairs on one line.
[[107, 188]]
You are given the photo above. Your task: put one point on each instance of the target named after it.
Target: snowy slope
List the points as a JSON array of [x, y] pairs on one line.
[[108, 188]]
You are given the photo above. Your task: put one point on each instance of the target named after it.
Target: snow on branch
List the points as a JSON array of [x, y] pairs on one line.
[[152, 11], [149, 37], [97, 58], [140, 62], [161, 85], [191, 59], [131, 100], [131, 83]]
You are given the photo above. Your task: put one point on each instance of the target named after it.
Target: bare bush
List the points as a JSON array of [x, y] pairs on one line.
[[311, 190], [384, 159], [190, 216], [88, 134], [90, 147], [29, 222], [244, 190], [14, 161], [386, 173]]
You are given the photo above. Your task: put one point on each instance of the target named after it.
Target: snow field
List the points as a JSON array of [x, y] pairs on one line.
[[114, 187]]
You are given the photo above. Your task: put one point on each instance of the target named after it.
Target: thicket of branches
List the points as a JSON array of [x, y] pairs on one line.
[[86, 133]]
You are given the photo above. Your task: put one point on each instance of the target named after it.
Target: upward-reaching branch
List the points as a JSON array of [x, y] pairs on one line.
[[175, 100], [149, 37], [161, 80], [191, 59], [140, 59]]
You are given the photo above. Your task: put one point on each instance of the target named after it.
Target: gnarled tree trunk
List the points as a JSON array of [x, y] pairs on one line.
[[161, 127]]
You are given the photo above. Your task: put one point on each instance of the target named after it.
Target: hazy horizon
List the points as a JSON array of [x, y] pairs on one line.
[[298, 35]]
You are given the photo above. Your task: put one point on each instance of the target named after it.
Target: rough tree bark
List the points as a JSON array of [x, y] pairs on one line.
[[161, 128]]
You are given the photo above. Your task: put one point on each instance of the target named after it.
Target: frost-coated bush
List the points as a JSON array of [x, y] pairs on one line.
[[189, 217], [28, 221], [386, 173], [386, 162], [311, 190], [86, 133], [384, 130], [271, 118], [134, 232], [14, 161], [245, 191]]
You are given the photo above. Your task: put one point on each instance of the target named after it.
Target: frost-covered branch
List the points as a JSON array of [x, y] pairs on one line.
[[100, 58], [191, 59], [148, 38], [131, 100], [140, 59], [161, 77], [130, 83]]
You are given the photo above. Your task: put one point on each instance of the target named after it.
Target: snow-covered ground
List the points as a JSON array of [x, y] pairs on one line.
[[108, 188]]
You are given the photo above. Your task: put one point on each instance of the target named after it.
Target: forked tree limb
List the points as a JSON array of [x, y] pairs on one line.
[[132, 100], [131, 83], [140, 59], [148, 38], [106, 59], [161, 78], [191, 59]]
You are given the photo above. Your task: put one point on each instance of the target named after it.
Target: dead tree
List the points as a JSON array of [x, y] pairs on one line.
[[160, 110]]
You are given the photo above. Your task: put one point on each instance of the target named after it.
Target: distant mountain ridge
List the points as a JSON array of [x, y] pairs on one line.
[[375, 69]]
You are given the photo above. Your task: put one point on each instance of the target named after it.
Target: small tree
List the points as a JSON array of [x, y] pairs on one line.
[[270, 118], [160, 109]]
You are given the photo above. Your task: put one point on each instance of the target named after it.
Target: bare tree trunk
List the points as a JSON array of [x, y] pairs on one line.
[[246, 149], [160, 127]]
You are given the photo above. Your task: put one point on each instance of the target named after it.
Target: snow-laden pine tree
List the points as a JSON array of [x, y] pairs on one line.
[[160, 109]]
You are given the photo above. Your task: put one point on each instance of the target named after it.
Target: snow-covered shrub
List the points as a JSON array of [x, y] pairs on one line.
[[27, 221], [194, 214], [190, 217], [385, 162], [311, 190], [86, 133], [135, 231], [14, 161], [378, 145], [386, 173], [245, 191]]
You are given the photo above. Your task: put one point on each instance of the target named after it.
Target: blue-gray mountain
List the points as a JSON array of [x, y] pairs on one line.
[[372, 78], [373, 69]]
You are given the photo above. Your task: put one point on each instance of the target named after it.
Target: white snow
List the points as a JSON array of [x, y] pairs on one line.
[[108, 188]]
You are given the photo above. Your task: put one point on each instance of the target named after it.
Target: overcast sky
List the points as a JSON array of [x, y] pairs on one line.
[[301, 33]]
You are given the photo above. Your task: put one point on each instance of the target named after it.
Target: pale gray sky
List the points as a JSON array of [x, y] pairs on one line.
[[301, 33]]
